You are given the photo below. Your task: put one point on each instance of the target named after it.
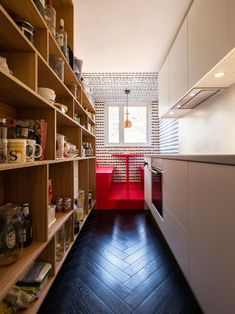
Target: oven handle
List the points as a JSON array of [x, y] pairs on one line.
[[155, 170]]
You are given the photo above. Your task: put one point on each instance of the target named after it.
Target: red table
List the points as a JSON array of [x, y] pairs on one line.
[[127, 156]]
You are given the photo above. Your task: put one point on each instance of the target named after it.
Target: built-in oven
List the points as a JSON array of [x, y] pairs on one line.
[[157, 180]]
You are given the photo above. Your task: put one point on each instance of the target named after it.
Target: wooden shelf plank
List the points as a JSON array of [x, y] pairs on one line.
[[19, 95], [86, 132], [13, 39], [9, 166], [64, 120], [10, 274], [28, 11]]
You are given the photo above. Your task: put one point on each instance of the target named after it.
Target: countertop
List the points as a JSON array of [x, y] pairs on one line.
[[213, 159]]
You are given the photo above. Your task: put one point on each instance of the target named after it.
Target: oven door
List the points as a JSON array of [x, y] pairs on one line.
[[157, 176]]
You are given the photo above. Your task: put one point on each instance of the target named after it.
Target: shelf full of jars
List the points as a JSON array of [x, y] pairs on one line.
[[47, 148], [36, 70], [40, 218]]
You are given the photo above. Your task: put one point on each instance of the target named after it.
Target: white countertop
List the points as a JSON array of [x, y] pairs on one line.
[[214, 159]]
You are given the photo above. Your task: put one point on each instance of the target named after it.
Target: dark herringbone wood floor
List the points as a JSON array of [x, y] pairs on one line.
[[119, 264]]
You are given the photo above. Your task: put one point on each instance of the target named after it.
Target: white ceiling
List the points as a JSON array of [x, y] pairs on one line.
[[126, 35]]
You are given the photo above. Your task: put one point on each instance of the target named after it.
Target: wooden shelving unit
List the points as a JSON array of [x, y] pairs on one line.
[[19, 99]]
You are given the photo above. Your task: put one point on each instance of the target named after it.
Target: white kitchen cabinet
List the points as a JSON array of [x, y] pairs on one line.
[[212, 236], [207, 37], [179, 65], [175, 210], [177, 239], [231, 11], [147, 183], [164, 87]]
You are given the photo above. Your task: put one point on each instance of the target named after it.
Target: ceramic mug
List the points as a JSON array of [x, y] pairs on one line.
[[17, 152], [33, 149]]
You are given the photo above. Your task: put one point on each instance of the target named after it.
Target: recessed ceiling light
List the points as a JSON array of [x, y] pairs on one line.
[[178, 106], [171, 113], [192, 94], [219, 74]]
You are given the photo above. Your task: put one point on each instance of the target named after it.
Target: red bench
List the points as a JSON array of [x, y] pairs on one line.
[[104, 179]]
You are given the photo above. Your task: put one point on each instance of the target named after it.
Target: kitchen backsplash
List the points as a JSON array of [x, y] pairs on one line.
[[169, 136], [210, 128]]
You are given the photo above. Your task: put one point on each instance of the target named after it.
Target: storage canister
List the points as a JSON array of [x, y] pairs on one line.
[[11, 234]]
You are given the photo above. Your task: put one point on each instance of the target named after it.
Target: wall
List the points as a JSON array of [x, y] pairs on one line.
[[103, 152], [210, 127], [169, 136]]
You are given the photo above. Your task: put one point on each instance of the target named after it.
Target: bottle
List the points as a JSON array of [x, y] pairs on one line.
[[50, 17], [90, 199], [61, 38], [27, 225], [3, 140]]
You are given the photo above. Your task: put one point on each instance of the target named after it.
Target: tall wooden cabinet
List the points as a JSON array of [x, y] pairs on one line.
[[19, 99]]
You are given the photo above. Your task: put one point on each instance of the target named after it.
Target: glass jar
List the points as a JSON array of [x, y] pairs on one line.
[[60, 244], [11, 234], [57, 64]]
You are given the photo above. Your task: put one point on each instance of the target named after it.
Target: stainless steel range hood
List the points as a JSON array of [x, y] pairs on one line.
[[195, 97]]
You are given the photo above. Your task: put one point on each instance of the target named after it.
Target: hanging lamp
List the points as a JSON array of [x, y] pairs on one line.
[[127, 123]]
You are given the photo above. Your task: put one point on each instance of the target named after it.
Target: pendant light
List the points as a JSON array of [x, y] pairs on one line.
[[127, 123]]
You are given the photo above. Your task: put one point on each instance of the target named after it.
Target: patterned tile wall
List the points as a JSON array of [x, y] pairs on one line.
[[103, 152]]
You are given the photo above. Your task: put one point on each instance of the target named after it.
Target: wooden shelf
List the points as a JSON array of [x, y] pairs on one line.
[[54, 49], [28, 11], [34, 307], [65, 121], [86, 102], [12, 38], [60, 220], [48, 78], [19, 100], [8, 166], [87, 133], [10, 274], [15, 93]]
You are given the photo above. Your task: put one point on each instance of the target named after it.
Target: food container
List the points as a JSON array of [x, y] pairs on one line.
[[67, 202], [67, 233], [59, 204], [11, 234], [47, 93], [51, 214], [57, 64], [26, 28], [60, 244]]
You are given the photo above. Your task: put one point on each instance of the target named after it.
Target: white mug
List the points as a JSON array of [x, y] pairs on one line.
[[33, 150], [16, 150]]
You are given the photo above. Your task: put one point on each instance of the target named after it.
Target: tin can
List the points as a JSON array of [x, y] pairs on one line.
[[67, 204], [59, 204]]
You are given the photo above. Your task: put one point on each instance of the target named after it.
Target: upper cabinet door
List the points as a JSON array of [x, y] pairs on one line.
[[178, 65], [207, 36], [231, 10], [164, 87]]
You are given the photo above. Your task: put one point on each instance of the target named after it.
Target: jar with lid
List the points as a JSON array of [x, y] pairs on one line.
[[3, 140], [11, 231]]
